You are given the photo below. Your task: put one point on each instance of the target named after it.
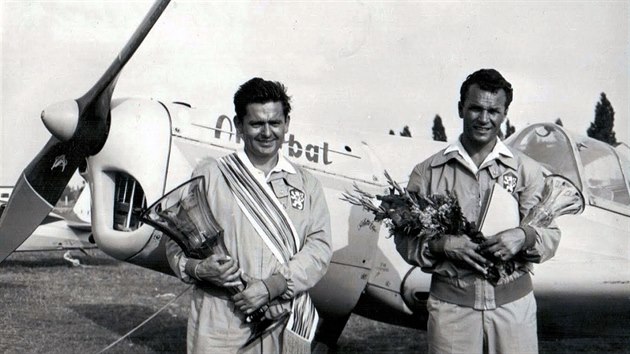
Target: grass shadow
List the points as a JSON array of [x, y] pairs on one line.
[[55, 259], [11, 286], [165, 333]]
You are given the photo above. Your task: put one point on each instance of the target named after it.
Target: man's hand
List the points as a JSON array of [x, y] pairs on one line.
[[460, 248], [252, 298], [505, 244], [219, 270]]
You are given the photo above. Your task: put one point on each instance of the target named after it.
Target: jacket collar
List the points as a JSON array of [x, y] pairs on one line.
[[284, 169], [500, 153], [283, 163]]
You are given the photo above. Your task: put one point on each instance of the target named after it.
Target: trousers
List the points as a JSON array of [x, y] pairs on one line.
[[510, 328], [215, 326]]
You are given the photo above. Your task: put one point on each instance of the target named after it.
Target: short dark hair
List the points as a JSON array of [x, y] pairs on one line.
[[258, 90], [488, 80]]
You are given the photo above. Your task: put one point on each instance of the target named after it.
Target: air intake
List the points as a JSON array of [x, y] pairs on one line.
[[129, 200]]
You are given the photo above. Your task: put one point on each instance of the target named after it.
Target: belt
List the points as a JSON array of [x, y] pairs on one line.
[[444, 289]]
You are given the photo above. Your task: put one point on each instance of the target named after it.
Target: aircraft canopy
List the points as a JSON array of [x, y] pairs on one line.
[[594, 167]]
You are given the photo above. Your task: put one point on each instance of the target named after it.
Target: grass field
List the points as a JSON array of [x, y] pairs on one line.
[[48, 306]]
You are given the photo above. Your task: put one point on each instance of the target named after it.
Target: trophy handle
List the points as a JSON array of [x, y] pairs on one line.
[[264, 326]]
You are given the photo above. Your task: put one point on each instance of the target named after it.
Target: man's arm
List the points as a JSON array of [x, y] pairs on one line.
[[310, 264], [218, 270], [176, 259], [459, 248], [425, 251], [415, 250], [529, 243]]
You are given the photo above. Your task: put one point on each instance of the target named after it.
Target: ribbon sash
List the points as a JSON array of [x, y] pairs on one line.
[[274, 227]]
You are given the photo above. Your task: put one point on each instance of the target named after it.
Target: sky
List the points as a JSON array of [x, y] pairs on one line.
[[348, 65]]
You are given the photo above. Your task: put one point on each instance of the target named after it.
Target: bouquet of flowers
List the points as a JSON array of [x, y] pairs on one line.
[[409, 214], [412, 215]]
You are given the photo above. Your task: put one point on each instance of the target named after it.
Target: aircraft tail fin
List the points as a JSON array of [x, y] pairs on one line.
[[82, 206]]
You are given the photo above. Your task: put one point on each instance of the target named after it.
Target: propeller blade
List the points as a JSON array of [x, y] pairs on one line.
[[108, 80], [51, 170], [45, 178], [94, 106], [36, 192], [21, 216]]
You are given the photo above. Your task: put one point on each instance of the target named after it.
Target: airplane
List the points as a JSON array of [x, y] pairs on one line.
[[97, 135]]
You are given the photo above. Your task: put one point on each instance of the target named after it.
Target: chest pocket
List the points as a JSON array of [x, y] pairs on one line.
[[289, 193], [280, 189]]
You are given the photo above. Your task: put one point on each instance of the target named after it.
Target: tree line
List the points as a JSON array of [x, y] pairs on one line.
[[601, 128]]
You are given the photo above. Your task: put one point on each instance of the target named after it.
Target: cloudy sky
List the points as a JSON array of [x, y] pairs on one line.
[[372, 65]]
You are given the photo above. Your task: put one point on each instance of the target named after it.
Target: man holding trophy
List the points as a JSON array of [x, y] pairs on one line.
[[276, 233], [468, 313]]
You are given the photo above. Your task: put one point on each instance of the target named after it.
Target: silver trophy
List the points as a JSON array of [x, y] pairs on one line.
[[559, 197], [184, 215]]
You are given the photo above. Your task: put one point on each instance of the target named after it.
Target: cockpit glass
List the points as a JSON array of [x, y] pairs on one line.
[[604, 174], [552, 149], [602, 171]]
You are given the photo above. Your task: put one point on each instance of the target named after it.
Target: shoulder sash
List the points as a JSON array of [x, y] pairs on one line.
[[274, 227]]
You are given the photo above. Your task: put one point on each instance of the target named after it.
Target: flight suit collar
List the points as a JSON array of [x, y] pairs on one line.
[[500, 153], [283, 176], [283, 165]]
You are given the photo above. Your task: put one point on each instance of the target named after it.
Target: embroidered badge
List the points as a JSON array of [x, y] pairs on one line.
[[297, 199], [509, 181], [60, 161]]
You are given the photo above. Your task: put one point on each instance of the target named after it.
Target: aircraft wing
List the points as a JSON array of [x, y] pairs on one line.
[[57, 235]]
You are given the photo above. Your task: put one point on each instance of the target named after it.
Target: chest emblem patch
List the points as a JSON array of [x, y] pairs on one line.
[[509, 181], [297, 199]]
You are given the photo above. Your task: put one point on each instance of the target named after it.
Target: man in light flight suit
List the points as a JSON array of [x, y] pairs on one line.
[[287, 202], [467, 313]]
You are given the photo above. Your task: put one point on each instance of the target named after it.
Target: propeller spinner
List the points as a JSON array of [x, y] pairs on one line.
[[79, 128]]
